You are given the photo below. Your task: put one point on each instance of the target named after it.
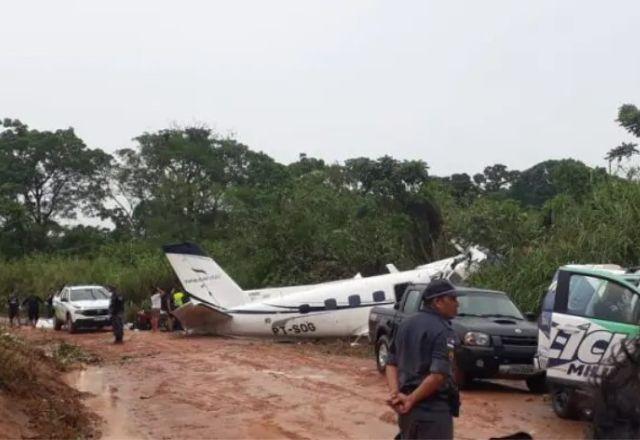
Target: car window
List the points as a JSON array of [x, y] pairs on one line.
[[413, 301], [487, 304], [598, 298], [582, 288], [399, 289], [88, 294]]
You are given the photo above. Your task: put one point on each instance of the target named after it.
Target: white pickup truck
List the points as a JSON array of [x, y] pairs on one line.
[[81, 307]]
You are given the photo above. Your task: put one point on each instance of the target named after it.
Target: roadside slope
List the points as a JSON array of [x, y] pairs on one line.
[[34, 402]]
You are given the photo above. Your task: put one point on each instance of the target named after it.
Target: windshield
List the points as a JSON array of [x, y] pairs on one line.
[[89, 294], [487, 304]]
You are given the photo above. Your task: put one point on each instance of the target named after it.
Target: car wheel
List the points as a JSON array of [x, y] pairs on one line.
[[564, 402], [71, 327], [382, 351], [57, 324], [537, 384]]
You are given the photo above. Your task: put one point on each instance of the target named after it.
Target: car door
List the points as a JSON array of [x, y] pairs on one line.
[[592, 315], [59, 304], [409, 304]]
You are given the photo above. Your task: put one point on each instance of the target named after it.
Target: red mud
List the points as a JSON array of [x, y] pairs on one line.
[[169, 386]]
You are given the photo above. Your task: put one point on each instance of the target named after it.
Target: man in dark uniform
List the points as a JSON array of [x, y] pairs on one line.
[[14, 308], [420, 367], [32, 302], [116, 309], [50, 305]]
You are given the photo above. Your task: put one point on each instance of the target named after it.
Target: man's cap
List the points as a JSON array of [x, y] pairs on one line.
[[438, 288]]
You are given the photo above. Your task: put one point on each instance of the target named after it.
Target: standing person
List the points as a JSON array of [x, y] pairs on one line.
[[167, 307], [156, 307], [420, 367], [178, 301], [178, 298], [50, 305], [14, 308], [32, 302], [116, 309]]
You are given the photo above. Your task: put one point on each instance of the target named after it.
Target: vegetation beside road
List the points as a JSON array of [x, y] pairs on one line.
[[271, 224], [31, 380]]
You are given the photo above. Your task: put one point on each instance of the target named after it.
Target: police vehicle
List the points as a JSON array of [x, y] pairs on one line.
[[588, 312]]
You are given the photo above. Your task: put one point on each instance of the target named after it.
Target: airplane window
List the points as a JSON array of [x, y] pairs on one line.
[[304, 308], [378, 296], [330, 304], [354, 300]]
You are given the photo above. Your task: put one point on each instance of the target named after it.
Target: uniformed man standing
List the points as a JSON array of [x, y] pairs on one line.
[[32, 302], [14, 308], [116, 309], [420, 367]]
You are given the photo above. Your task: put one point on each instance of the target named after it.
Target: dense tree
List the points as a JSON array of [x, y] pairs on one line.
[[540, 183], [495, 178], [50, 175], [172, 185], [629, 119], [386, 177]]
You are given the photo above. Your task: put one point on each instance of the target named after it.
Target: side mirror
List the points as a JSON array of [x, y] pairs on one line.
[[531, 316], [396, 306]]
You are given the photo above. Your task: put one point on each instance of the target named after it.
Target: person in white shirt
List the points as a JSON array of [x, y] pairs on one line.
[[156, 305]]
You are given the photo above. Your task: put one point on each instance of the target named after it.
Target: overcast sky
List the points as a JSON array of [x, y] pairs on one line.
[[459, 84]]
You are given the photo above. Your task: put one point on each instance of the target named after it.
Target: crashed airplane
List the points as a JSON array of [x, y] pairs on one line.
[[333, 309]]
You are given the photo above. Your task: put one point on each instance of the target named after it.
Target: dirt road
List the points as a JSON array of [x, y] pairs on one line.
[[170, 386]]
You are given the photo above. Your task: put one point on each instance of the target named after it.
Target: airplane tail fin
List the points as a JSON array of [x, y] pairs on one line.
[[202, 278]]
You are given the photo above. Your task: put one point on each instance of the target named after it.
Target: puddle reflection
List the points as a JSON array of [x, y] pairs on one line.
[[104, 401]]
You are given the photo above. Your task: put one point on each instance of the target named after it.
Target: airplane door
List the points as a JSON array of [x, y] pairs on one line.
[[592, 315]]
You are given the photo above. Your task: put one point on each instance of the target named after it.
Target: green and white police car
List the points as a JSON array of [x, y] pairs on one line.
[[586, 315]]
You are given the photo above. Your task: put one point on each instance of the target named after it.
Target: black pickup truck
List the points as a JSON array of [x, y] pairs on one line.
[[495, 339]]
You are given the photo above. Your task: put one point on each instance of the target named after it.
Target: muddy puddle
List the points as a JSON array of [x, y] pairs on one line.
[[106, 400]]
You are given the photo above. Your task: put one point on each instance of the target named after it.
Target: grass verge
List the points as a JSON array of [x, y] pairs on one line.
[[32, 380]]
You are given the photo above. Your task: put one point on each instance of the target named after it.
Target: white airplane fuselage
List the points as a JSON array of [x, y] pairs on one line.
[[333, 309], [305, 313]]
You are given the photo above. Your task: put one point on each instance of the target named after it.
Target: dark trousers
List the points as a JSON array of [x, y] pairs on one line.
[[34, 315], [418, 424], [116, 325]]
